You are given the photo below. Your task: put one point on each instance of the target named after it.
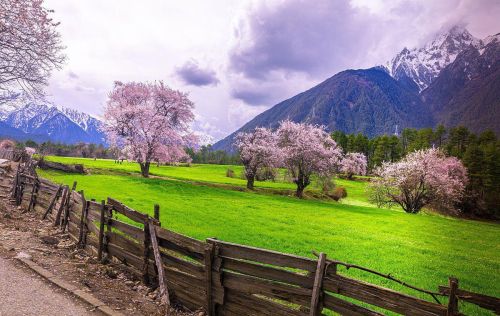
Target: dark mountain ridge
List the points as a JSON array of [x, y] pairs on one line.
[[454, 80]]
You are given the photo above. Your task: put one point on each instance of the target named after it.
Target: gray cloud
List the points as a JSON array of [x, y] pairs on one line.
[[250, 95], [302, 36], [320, 38], [191, 73]]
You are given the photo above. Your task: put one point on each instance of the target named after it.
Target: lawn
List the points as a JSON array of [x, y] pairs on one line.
[[423, 250], [206, 173]]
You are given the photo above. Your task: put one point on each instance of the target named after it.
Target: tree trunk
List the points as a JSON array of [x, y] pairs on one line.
[[302, 182], [250, 175], [250, 181], [145, 169], [300, 191]]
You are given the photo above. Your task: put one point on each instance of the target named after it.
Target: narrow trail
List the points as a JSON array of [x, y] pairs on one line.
[[24, 293]]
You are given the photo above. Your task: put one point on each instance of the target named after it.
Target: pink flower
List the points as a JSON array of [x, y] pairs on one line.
[[422, 178], [149, 122]]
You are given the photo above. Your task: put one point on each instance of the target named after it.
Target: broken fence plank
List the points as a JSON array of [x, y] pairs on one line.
[[317, 287], [159, 264]]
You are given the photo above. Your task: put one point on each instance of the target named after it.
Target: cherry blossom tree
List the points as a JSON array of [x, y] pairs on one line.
[[30, 47], [7, 144], [353, 164], [172, 155], [258, 149], [425, 177], [148, 120], [307, 150]]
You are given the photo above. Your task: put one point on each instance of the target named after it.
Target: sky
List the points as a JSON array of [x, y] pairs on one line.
[[239, 58]]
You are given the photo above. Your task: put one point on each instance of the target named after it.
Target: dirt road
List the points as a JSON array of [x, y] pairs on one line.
[[24, 293]]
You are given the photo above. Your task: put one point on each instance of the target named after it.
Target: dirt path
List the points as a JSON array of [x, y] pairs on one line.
[[52, 249], [24, 293]]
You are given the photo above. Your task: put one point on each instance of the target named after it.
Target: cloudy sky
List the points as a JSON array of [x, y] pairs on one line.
[[238, 58]]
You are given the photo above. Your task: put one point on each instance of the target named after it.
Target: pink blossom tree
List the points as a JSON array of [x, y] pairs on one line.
[[425, 177], [307, 150], [7, 144], [353, 164], [30, 47], [258, 149], [172, 155], [147, 120]]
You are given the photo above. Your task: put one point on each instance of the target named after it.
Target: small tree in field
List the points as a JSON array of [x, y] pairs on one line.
[[422, 178], [148, 121], [353, 164], [307, 150], [258, 149]]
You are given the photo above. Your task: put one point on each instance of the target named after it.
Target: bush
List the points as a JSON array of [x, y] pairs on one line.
[[264, 174], [325, 184], [339, 193], [230, 173]]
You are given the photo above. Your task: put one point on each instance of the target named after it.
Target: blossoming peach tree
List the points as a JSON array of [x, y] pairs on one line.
[[307, 150], [258, 149], [150, 122], [353, 164], [422, 178]]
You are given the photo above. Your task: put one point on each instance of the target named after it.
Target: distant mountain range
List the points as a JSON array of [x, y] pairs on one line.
[[43, 122], [454, 79]]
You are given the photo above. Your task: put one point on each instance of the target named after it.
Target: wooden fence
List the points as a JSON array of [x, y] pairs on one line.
[[7, 154], [222, 277]]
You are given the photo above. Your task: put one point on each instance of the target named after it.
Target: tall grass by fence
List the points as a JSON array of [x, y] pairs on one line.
[[222, 277]]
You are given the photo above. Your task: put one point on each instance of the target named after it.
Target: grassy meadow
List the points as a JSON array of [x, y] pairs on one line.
[[200, 201]]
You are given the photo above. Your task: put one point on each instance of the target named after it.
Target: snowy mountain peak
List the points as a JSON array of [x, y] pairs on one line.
[[60, 124], [422, 65]]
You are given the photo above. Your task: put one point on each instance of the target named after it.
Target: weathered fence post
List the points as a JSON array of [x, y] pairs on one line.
[[165, 299], [453, 300], [20, 189], [34, 191], [53, 202], [147, 246], [316, 299], [101, 231], [65, 218], [157, 214], [208, 257], [57, 220], [217, 264], [109, 223], [16, 184], [83, 219]]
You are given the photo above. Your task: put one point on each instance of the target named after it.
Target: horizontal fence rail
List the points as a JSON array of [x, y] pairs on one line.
[[221, 277]]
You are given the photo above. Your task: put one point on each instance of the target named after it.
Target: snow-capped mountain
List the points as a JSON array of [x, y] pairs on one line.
[[418, 67], [454, 80], [57, 124], [10, 102]]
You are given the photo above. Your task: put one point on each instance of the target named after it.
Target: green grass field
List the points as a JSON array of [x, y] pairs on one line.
[[423, 250], [215, 174]]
